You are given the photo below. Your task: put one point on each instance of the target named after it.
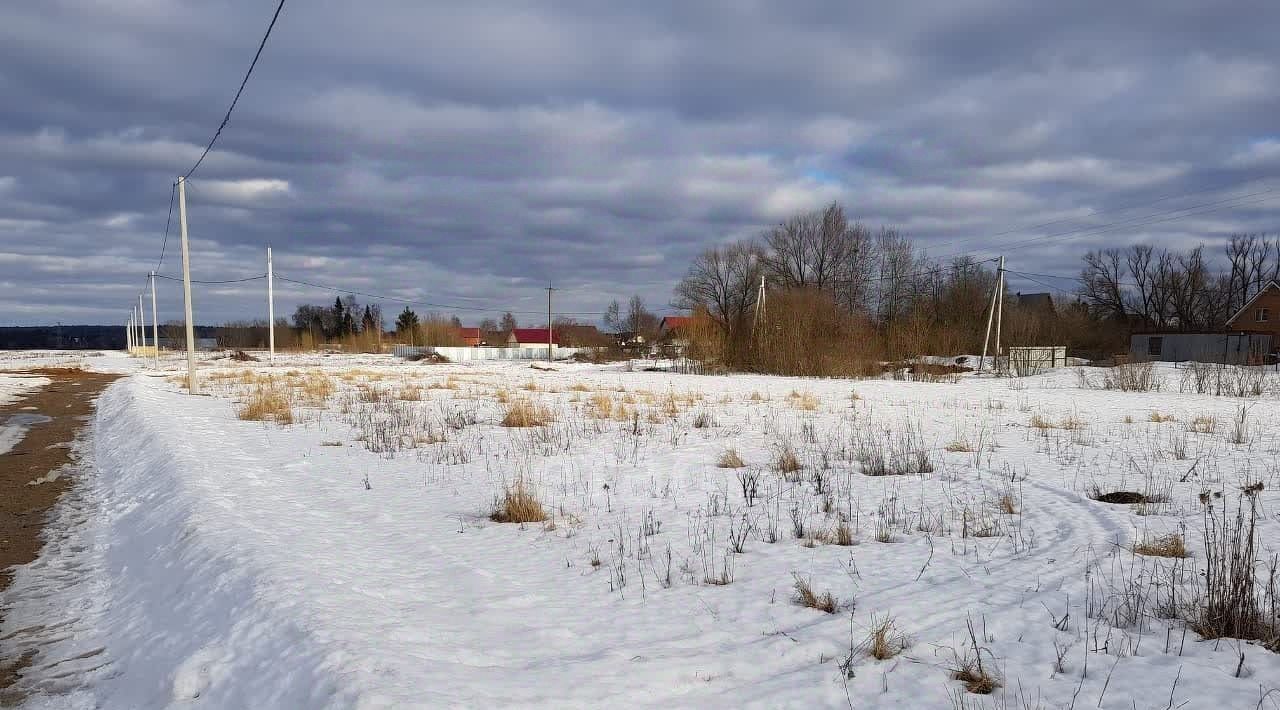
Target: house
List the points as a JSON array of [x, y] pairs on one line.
[[1260, 314], [471, 336], [673, 331], [531, 338], [1225, 347], [672, 325]]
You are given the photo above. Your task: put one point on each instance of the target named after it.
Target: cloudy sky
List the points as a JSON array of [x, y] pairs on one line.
[[466, 153]]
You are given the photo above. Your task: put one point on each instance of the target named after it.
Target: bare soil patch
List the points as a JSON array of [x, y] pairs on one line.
[[66, 401]]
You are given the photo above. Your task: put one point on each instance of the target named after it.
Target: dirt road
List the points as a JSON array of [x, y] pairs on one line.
[[55, 415]]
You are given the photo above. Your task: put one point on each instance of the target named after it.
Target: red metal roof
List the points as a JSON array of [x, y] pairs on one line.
[[673, 322]]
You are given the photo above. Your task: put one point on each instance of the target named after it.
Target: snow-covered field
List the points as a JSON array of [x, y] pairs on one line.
[[348, 559]]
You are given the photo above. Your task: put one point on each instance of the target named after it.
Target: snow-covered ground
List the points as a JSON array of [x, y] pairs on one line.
[[348, 560]]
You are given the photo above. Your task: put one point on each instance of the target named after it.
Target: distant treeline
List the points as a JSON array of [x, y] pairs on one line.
[[73, 337]]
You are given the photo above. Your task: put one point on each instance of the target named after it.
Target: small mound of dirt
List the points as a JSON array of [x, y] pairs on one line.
[[1121, 498]]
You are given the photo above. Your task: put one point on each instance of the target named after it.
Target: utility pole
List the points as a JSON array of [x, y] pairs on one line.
[[995, 295], [755, 325], [550, 333], [186, 287], [128, 334], [999, 310], [155, 322], [271, 311], [142, 326]]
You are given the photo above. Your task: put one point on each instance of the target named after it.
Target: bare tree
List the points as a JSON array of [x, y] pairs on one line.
[[1101, 288], [723, 281]]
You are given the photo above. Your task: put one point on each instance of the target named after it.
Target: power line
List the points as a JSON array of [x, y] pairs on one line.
[[1095, 212], [1146, 220], [239, 91], [173, 189], [226, 281]]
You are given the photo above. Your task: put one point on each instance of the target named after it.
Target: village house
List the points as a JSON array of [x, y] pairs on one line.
[[673, 331], [1260, 314], [531, 338]]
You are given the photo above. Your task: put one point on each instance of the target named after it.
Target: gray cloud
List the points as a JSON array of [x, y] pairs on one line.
[[468, 153]]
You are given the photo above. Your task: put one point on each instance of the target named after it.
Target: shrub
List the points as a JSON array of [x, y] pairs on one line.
[[518, 504], [1230, 607]]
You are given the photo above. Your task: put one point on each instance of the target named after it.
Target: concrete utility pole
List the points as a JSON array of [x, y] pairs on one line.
[[186, 287], [155, 322], [142, 325], [128, 334], [271, 311], [759, 307], [550, 334], [995, 296], [999, 310]]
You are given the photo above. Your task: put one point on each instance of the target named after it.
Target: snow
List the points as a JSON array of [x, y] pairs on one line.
[[12, 387], [237, 564]]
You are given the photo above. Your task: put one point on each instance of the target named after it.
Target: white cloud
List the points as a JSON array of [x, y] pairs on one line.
[[1086, 170], [239, 191]]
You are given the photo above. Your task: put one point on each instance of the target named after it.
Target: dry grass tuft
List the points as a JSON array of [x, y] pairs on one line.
[[601, 405], [806, 597], [1007, 504], [885, 640], [1039, 422], [267, 403], [1158, 418], [1170, 545], [579, 387], [314, 388], [959, 446], [730, 459], [842, 535], [804, 400], [1203, 424], [787, 461], [518, 504], [1070, 422], [975, 679], [410, 393], [523, 413]]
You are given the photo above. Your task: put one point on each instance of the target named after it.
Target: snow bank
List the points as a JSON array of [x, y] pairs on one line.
[[171, 614]]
